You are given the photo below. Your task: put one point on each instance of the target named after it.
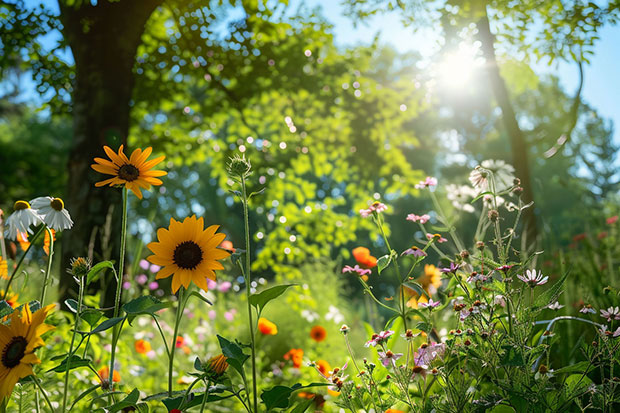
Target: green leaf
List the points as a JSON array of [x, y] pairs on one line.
[[145, 305], [383, 262], [191, 401], [72, 305], [417, 288], [84, 394], [91, 316], [234, 354], [511, 357], [94, 272], [261, 299], [5, 309], [551, 294], [130, 401], [76, 362], [201, 297], [579, 367], [278, 396], [303, 406], [109, 323]]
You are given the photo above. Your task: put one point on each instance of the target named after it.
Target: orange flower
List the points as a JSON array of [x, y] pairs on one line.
[[186, 350], [296, 355], [180, 342], [104, 373], [227, 245], [134, 172], [4, 269], [47, 242], [318, 333], [363, 257], [323, 367], [217, 365], [22, 238], [266, 327], [142, 346], [393, 411]]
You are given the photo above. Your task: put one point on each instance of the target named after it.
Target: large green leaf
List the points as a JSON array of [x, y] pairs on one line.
[[261, 299], [76, 362], [109, 323], [234, 354], [278, 397], [130, 401], [144, 305]]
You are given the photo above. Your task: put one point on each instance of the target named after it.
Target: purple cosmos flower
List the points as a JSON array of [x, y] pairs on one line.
[[533, 278], [422, 219], [142, 279], [587, 309], [431, 304], [388, 357], [453, 268], [379, 338], [415, 251], [126, 285], [357, 269], [436, 237], [611, 312], [429, 352], [428, 182]]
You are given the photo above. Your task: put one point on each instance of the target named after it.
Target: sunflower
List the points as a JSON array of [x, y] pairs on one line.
[[133, 172], [217, 365], [188, 252], [18, 340]]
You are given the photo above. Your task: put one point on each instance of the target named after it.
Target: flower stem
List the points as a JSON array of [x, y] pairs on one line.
[[47, 399], [206, 396], [70, 355], [119, 282], [173, 347], [49, 266], [248, 280], [19, 263]]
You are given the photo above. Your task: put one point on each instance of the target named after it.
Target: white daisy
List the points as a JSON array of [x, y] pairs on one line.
[[21, 220], [53, 212], [533, 278]]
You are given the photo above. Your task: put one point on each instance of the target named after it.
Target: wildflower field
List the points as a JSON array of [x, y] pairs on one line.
[[223, 206]]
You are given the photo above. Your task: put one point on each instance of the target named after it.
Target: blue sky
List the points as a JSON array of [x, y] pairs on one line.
[[602, 80]]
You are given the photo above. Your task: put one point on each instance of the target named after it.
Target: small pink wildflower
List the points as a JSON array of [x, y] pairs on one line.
[[428, 182], [437, 238], [612, 220], [415, 251], [360, 271], [430, 304], [422, 219], [587, 309], [611, 312], [389, 357]]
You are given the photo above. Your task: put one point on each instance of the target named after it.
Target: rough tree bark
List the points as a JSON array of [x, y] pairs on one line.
[[509, 118], [104, 39]]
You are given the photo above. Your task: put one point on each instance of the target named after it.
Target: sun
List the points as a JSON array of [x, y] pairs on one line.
[[456, 69]]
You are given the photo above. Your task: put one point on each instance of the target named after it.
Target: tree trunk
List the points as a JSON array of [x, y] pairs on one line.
[[517, 140], [104, 39]]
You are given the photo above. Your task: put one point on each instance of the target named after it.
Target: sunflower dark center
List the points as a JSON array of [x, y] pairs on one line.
[[128, 172], [13, 352], [187, 255]]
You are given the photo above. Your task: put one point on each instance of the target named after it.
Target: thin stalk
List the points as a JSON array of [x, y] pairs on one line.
[[204, 400], [119, 282], [47, 399], [75, 328], [163, 337], [177, 321], [451, 229], [49, 265], [21, 259], [248, 280]]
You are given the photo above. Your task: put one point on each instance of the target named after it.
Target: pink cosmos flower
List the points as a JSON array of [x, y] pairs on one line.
[[357, 269], [428, 182], [437, 238], [388, 357], [365, 213], [533, 278], [211, 284], [153, 285], [224, 286], [378, 338], [430, 304], [211, 314], [429, 352], [155, 268], [142, 279], [415, 251], [422, 219], [611, 312], [587, 309]]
